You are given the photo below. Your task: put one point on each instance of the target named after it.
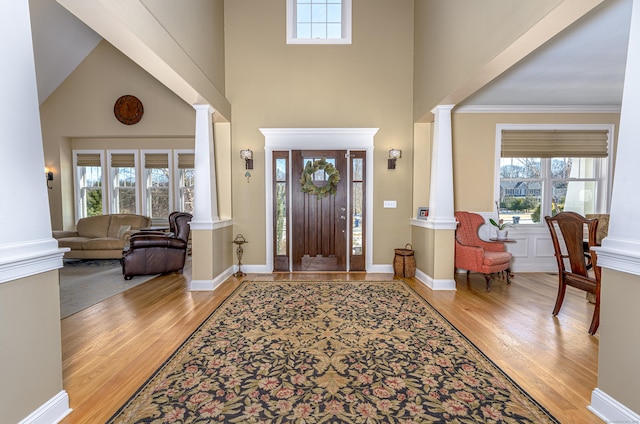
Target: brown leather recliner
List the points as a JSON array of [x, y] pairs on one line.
[[158, 253]]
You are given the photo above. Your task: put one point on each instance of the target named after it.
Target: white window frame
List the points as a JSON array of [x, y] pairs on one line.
[[78, 177], [112, 176], [178, 175], [146, 174], [604, 177], [292, 37]]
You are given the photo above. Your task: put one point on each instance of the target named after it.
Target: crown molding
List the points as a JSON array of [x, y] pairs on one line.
[[536, 109]]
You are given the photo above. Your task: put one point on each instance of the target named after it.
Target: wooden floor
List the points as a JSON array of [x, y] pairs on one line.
[[110, 349]]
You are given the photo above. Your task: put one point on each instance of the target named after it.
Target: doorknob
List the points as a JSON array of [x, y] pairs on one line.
[[342, 217], [342, 208]]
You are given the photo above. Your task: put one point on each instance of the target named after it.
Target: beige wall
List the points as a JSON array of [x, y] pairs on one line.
[[422, 242], [198, 29], [364, 85], [30, 340], [474, 151], [444, 30], [620, 338], [421, 165], [82, 108], [212, 252]]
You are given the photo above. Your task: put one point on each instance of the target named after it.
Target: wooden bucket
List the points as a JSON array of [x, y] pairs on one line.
[[404, 262]]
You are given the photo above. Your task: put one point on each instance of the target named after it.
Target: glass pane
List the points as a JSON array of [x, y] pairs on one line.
[[319, 13], [520, 168], [303, 31], [281, 170], [520, 201], [303, 13], [159, 202], [575, 196], [319, 30], [564, 168], [187, 200], [334, 31], [93, 204], [187, 177], [159, 193], [356, 235], [319, 175], [124, 191], [357, 169], [334, 13], [126, 200], [281, 218]]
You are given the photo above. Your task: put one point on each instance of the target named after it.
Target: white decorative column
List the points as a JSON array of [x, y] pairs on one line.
[[31, 390], [205, 210], [616, 397], [441, 223], [441, 192], [621, 248]]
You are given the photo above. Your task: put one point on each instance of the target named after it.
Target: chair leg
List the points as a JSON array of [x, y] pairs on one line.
[[487, 277], [508, 275], [562, 288], [595, 321]]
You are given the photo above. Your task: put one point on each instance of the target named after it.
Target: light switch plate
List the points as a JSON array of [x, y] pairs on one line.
[[389, 203]]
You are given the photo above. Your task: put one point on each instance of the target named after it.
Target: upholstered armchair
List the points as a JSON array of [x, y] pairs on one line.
[[157, 252], [477, 255]]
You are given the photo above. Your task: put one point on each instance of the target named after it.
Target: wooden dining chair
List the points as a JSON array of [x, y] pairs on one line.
[[568, 231]]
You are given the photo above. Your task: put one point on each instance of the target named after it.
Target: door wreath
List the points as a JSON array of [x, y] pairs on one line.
[[306, 180]]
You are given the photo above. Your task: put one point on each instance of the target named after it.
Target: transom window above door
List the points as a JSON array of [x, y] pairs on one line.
[[318, 21]]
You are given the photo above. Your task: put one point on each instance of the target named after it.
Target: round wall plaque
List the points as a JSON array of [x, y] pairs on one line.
[[128, 110]]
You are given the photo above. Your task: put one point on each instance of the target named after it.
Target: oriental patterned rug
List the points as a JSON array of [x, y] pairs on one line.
[[329, 352]]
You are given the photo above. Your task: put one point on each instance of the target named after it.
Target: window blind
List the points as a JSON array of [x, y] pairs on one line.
[[186, 161], [554, 143], [123, 160], [156, 160], [88, 159]]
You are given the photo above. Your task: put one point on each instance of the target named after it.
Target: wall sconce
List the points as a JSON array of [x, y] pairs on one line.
[[49, 175], [394, 154], [247, 155]]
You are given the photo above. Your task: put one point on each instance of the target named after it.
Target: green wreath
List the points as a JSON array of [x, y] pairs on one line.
[[306, 180]]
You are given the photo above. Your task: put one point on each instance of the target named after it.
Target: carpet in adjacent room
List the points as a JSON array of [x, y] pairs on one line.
[[83, 283]]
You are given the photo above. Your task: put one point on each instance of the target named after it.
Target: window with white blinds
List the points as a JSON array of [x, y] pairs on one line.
[[148, 182], [544, 171]]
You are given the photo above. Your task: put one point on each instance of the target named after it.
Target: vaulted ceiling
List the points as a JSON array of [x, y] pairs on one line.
[[581, 67]]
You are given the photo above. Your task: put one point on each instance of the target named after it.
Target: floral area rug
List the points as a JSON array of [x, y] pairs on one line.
[[329, 352]]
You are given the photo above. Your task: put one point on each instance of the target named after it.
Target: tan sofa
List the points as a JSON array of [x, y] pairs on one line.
[[100, 237]]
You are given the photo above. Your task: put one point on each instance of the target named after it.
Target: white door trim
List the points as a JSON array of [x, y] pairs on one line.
[[317, 139]]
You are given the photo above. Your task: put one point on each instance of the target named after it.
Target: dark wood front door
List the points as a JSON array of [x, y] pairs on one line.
[[319, 226]]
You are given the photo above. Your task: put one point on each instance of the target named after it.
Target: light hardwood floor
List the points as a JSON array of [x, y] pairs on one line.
[[110, 349]]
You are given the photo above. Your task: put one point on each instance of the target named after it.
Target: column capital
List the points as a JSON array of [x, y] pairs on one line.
[[440, 108], [205, 107]]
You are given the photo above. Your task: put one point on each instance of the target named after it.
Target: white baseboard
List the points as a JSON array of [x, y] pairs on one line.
[[433, 284], [210, 285], [380, 269], [53, 411], [610, 410]]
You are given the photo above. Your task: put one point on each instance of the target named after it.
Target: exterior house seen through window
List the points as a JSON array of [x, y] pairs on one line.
[[318, 21], [544, 172]]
